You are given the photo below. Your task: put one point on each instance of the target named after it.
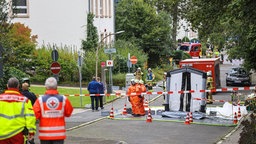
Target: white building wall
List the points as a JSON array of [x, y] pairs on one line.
[[60, 22], [104, 21], [184, 30]]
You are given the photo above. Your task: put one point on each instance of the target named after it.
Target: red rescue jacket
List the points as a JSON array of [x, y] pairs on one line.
[[51, 109]]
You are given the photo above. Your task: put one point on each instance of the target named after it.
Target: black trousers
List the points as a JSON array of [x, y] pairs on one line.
[[101, 101], [94, 98]]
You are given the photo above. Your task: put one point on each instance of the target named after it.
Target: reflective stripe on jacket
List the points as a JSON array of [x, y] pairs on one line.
[[51, 111], [16, 113]]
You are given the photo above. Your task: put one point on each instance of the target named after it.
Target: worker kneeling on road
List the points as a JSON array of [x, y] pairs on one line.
[[135, 98], [209, 86]]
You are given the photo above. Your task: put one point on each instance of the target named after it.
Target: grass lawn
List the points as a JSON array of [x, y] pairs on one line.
[[76, 101]]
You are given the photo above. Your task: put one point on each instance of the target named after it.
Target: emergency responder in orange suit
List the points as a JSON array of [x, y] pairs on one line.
[[209, 86], [142, 86], [137, 99]]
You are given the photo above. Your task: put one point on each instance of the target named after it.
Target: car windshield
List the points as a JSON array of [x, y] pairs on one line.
[[238, 71], [184, 48]]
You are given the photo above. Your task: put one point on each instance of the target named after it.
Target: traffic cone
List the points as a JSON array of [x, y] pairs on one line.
[[238, 113], [111, 115], [149, 117], [190, 117], [145, 104], [124, 111], [235, 119], [187, 120]]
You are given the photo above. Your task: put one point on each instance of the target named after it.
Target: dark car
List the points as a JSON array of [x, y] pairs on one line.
[[238, 76]]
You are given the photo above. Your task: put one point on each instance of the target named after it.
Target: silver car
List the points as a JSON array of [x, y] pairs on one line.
[[238, 76]]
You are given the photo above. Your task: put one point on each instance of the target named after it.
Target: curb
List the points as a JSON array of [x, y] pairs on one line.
[[232, 131]]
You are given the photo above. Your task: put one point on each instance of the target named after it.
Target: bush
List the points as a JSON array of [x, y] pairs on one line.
[[249, 130], [119, 79], [8, 73]]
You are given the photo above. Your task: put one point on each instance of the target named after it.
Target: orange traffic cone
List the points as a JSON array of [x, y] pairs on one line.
[[149, 117], [111, 115], [235, 119], [145, 104], [124, 111], [238, 113], [187, 120], [190, 117]]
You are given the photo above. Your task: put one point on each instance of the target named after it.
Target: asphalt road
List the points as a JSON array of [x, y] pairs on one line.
[[86, 127]]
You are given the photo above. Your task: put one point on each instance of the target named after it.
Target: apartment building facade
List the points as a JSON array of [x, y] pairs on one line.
[[63, 22]]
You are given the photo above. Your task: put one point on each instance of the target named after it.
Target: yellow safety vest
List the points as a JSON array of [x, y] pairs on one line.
[[16, 112], [209, 82]]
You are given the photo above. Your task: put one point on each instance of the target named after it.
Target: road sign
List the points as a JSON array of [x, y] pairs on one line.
[[55, 55], [133, 60], [55, 68], [109, 63], [103, 64], [110, 50]]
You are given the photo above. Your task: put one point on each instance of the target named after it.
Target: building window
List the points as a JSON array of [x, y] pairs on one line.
[[91, 6], [101, 8], [106, 8], [20, 8], [109, 9], [96, 6]]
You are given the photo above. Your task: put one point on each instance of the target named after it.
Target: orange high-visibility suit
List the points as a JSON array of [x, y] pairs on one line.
[[136, 100]]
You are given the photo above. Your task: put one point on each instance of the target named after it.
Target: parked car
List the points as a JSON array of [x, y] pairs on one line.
[[238, 76]]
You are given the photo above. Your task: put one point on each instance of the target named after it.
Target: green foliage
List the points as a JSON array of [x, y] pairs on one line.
[[121, 56], [67, 59], [18, 46], [91, 41], [4, 17], [229, 24], [247, 136], [119, 79], [143, 26], [8, 73], [174, 9], [75, 100], [185, 39]]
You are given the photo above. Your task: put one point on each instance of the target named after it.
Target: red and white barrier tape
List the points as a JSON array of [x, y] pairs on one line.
[[169, 92]]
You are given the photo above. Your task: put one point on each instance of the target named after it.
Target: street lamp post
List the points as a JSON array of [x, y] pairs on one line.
[[97, 50]]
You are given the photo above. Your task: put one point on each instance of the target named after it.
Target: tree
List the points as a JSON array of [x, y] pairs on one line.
[[4, 15], [145, 27], [174, 9], [92, 39], [18, 46], [229, 23]]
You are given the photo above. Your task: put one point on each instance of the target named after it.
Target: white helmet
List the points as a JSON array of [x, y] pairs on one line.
[[132, 81], [149, 69], [209, 73], [165, 73], [136, 81], [141, 82]]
